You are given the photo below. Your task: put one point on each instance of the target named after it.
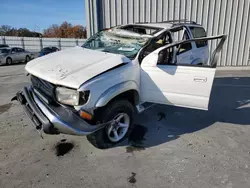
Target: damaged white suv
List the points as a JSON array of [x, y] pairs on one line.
[[97, 89]]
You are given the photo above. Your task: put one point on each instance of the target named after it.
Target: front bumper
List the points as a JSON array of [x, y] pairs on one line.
[[53, 119]]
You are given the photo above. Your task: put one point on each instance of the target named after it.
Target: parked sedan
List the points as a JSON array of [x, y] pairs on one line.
[[9, 56], [4, 46], [48, 50]]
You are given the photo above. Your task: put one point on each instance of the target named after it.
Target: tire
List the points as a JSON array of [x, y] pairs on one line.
[[100, 138], [27, 59], [8, 61]]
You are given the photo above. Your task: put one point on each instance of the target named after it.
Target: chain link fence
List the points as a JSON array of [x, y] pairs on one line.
[[34, 44]]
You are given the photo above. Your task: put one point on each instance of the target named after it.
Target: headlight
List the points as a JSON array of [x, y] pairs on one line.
[[67, 96], [71, 96]]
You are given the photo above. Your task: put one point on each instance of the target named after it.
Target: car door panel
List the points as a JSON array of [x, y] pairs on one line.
[[18, 55], [13, 55], [178, 85], [21, 54]]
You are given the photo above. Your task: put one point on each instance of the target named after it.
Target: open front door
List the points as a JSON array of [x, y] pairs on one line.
[[165, 82]]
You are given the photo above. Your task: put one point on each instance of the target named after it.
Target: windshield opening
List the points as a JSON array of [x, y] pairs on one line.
[[117, 41]]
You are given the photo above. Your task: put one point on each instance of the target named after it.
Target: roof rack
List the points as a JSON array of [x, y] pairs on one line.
[[179, 21], [172, 21]]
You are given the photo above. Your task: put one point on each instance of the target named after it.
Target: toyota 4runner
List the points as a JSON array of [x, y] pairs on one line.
[[97, 89]]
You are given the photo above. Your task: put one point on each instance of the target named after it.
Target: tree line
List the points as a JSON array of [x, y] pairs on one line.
[[65, 30]]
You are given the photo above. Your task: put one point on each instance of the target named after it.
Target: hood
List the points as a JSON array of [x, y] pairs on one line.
[[74, 66]]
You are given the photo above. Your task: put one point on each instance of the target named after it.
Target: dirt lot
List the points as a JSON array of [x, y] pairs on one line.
[[176, 147]]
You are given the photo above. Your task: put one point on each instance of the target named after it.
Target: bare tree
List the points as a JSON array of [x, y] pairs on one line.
[[65, 30]]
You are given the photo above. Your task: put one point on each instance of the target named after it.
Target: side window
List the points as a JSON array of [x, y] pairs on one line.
[[19, 50], [184, 48], [167, 56], [13, 50], [199, 32]]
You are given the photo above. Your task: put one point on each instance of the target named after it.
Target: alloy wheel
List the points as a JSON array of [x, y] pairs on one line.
[[118, 127]]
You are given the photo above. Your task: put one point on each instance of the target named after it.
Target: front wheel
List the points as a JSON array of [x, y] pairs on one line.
[[121, 114], [8, 61], [27, 59]]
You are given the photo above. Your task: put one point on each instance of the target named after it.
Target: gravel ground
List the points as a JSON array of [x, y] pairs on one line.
[[170, 147]]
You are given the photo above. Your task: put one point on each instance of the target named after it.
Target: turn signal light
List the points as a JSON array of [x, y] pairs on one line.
[[86, 115]]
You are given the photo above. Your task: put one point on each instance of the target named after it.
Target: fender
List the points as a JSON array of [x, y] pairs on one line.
[[115, 90]]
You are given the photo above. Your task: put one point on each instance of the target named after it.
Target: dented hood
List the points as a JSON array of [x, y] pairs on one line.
[[72, 67]]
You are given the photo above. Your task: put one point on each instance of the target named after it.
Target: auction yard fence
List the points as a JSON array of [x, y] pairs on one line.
[[35, 44]]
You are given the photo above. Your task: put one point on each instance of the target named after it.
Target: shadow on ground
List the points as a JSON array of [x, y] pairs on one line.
[[229, 103]]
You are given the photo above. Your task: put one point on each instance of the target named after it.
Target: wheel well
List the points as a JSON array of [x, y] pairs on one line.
[[8, 58], [131, 95]]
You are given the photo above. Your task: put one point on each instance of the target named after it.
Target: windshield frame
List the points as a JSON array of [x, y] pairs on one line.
[[120, 35]]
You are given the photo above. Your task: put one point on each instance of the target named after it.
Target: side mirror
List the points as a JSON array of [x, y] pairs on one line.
[[13, 52]]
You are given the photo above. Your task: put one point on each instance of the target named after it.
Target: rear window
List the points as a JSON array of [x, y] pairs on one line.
[[199, 32]]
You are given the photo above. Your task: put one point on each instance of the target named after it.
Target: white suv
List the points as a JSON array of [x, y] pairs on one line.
[[96, 90]]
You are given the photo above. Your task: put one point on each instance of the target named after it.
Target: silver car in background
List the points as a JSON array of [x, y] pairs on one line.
[[12, 55]]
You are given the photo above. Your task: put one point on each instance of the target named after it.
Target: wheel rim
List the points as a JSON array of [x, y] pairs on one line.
[[119, 127], [27, 58]]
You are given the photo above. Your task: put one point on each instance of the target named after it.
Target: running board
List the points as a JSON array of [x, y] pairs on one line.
[[144, 106]]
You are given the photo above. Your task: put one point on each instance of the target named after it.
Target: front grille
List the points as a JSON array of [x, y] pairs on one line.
[[44, 87]]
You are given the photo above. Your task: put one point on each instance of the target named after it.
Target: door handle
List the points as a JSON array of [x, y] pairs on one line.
[[200, 79]]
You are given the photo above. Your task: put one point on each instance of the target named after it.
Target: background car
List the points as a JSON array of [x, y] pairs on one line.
[[48, 50], [9, 56], [4, 46]]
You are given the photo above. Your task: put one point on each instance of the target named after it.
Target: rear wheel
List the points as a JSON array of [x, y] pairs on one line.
[[8, 61], [121, 115]]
